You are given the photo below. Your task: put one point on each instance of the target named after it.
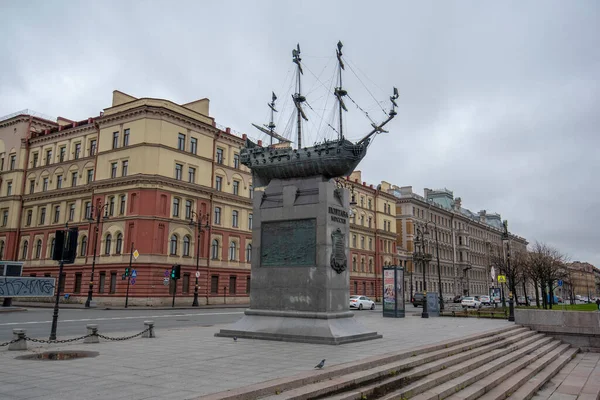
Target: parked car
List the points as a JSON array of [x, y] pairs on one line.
[[417, 300], [485, 300], [457, 299], [521, 300], [470, 302], [361, 302]]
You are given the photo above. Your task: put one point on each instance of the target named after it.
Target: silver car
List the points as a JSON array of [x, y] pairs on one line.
[[361, 302]]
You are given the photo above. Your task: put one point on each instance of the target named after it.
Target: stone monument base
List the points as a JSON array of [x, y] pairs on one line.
[[303, 327]]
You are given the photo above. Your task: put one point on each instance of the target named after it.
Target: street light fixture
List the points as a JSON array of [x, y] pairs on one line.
[[98, 211], [506, 241], [197, 222], [424, 258], [437, 253]]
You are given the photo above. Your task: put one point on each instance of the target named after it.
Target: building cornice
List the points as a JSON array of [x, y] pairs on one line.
[[42, 139]]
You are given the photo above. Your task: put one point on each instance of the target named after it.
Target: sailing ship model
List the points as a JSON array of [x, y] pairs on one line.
[[330, 159]]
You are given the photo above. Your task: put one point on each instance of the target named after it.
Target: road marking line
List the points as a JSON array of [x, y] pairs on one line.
[[119, 318]]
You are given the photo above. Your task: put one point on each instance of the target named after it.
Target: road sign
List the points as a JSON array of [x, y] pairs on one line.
[[166, 281], [560, 282], [133, 281], [134, 273], [197, 274], [493, 273], [166, 273], [136, 254], [501, 278]]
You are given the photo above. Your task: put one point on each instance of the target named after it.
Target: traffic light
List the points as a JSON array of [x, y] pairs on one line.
[[126, 271], [65, 245], [175, 271]]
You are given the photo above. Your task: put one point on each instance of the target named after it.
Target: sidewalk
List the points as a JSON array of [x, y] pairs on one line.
[[577, 380], [188, 363], [82, 306]]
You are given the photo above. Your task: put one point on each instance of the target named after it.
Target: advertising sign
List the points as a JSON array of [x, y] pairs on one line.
[[393, 292], [389, 290]]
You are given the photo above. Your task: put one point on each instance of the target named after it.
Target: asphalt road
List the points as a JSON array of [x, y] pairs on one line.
[[72, 322]]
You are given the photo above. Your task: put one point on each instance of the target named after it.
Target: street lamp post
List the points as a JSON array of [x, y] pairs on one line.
[[437, 252], [424, 258], [98, 210], [197, 222], [511, 305]]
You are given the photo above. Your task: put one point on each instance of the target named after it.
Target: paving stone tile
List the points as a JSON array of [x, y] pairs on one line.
[[562, 396]]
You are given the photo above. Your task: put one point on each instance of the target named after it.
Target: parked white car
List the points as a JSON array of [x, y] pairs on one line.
[[470, 302], [361, 302]]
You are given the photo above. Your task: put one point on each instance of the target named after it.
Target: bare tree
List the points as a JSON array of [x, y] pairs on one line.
[[509, 265], [548, 266]]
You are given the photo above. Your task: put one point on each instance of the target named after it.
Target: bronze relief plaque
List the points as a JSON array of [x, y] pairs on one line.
[[338, 252], [291, 243]]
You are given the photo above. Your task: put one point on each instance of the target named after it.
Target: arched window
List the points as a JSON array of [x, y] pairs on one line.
[[249, 253], [232, 251], [38, 248], [107, 244], [362, 265], [1, 249], [25, 249], [119, 243], [83, 245], [186, 245], [370, 265], [354, 264], [215, 249], [173, 247], [52, 244]]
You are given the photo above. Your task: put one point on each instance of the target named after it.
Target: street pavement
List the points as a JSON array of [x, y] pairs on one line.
[[187, 362]]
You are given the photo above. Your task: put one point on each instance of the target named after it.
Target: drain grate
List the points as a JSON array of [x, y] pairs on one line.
[[59, 355]]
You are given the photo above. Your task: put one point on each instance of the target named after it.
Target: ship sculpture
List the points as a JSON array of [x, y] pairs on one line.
[[330, 158]]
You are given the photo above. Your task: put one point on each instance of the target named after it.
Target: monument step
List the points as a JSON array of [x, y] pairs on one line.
[[531, 386], [375, 379], [475, 383]]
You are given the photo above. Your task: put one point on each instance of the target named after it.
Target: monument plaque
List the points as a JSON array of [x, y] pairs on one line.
[[291, 243], [338, 252]]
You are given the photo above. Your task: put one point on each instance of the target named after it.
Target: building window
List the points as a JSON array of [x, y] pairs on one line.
[[232, 251], [29, 217], [236, 160], [370, 243], [25, 250], [111, 206], [61, 154], [176, 207], [249, 253], [2, 250], [173, 245], [42, 215], [107, 244], [93, 143], [56, 214], [38, 248], [113, 170], [186, 245], [72, 212], [185, 285], [88, 210], [181, 142], [215, 249], [31, 186], [35, 160], [90, 175], [126, 137], [214, 284], [113, 283], [48, 157], [74, 179], [218, 183], [122, 205], [234, 218], [250, 222], [77, 150], [362, 242], [236, 187], [83, 247], [115, 142], [247, 285], [45, 185], [178, 171], [362, 265], [232, 284], [61, 282], [218, 215], [219, 156], [124, 167], [77, 287], [119, 248], [354, 264], [369, 203], [370, 265], [193, 145], [101, 282], [188, 209], [191, 175], [251, 191], [59, 181], [353, 240], [4, 217], [13, 161]]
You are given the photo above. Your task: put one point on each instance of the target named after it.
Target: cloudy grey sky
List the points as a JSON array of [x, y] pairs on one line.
[[499, 101]]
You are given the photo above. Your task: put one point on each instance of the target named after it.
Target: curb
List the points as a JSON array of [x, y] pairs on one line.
[[81, 307], [11, 309]]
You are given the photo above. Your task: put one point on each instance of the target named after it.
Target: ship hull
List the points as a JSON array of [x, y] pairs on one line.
[[329, 159]]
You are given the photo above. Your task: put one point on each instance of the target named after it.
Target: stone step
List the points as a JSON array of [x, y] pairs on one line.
[[497, 358], [457, 353], [528, 390], [493, 379], [441, 370]]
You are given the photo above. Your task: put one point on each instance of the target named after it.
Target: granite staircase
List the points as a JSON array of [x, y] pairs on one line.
[[513, 362]]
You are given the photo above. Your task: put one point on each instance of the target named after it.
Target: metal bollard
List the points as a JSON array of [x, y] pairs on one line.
[[92, 329], [150, 326], [22, 343]]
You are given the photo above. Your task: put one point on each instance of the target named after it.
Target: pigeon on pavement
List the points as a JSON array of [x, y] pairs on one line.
[[235, 338], [321, 364]]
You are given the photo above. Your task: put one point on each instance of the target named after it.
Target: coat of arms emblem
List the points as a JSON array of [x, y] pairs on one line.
[[338, 251]]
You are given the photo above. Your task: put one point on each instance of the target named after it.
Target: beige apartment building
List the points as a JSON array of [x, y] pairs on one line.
[[465, 240]]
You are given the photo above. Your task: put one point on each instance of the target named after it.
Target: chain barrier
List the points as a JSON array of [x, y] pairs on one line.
[[75, 339]]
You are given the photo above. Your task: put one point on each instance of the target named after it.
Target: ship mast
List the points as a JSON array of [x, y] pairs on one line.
[[271, 125], [298, 97], [339, 91]]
